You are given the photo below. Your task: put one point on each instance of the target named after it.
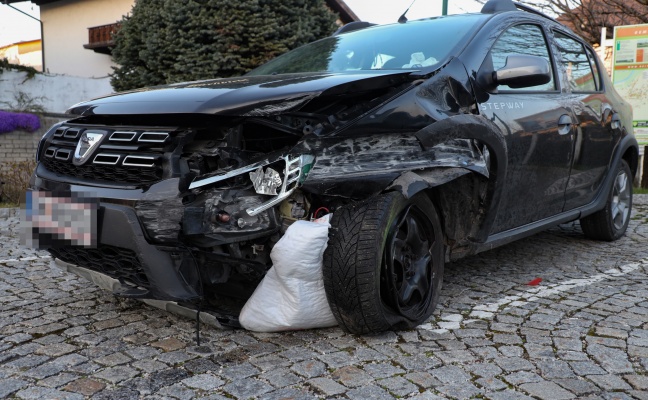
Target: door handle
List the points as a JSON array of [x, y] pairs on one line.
[[564, 124]]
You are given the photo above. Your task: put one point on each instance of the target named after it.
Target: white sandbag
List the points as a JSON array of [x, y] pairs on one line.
[[291, 296]]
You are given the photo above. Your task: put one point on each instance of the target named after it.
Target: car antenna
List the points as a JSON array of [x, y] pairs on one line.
[[402, 19]]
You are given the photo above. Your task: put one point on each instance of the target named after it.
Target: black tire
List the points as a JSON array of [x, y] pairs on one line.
[[383, 266], [611, 222]]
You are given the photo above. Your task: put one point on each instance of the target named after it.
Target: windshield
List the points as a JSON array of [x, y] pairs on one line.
[[413, 45]]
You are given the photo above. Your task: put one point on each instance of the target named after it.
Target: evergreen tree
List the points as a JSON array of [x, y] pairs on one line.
[[168, 41]]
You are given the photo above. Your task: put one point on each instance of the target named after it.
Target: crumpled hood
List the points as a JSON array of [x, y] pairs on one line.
[[240, 96]]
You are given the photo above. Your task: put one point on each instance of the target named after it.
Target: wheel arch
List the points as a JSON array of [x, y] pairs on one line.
[[459, 191]]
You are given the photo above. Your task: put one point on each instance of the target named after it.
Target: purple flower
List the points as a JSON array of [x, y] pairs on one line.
[[9, 122]]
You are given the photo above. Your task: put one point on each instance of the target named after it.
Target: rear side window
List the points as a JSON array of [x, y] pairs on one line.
[[576, 64], [524, 39], [595, 70]]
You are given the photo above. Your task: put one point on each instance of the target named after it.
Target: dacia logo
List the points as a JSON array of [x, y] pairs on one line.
[[84, 149]]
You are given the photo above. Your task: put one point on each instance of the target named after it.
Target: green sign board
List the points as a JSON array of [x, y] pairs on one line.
[[630, 69]]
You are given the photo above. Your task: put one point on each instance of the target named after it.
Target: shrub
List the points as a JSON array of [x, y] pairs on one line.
[[10, 122], [15, 176]]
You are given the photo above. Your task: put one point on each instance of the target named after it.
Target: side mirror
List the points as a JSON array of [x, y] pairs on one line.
[[523, 71]]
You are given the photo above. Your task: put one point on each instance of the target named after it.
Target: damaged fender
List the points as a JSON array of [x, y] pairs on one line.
[[475, 127]]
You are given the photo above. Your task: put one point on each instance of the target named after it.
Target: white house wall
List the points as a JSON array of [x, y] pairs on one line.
[[66, 26], [54, 93]]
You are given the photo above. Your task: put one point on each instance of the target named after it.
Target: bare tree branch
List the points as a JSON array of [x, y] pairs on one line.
[[587, 17]]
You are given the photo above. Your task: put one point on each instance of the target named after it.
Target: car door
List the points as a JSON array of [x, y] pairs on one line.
[[537, 125], [596, 127]]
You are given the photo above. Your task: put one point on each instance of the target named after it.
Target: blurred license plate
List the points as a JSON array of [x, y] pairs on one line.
[[59, 219]]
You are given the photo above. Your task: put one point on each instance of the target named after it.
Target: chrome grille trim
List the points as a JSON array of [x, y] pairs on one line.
[[105, 159], [153, 137], [129, 161], [122, 136]]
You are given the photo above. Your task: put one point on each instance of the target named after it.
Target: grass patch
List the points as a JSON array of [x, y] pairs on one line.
[[639, 190]]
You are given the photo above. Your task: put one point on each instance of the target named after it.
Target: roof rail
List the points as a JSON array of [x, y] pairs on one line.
[[495, 6], [532, 10], [353, 26]]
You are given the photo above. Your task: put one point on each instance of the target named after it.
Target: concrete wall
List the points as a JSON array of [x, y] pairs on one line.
[[21, 145], [66, 26], [55, 93]]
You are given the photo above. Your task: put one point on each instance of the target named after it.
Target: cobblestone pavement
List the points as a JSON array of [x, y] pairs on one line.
[[581, 333]]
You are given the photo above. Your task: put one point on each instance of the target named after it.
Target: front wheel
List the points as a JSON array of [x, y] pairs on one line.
[[611, 222], [383, 266]]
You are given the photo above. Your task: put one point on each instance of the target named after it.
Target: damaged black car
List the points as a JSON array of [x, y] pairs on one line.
[[427, 140]]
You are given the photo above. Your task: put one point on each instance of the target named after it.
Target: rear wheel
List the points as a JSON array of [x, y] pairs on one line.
[[383, 266], [611, 222]]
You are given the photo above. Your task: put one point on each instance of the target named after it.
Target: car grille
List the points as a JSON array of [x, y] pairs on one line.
[[123, 155], [116, 262], [104, 173]]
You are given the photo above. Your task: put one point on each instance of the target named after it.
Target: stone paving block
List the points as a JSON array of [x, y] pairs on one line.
[[508, 395], [327, 386], [398, 386], [247, 387], [491, 384], [351, 376], [9, 386], [200, 365], [289, 393], [117, 374], [298, 353], [554, 369], [269, 362], [85, 386], [56, 381], [458, 390], [450, 374], [547, 391], [205, 382], [638, 382], [38, 393], [238, 371], [309, 369], [177, 391], [368, 392], [175, 357], [613, 360], [580, 387], [609, 382], [517, 378], [512, 364], [113, 359], [280, 378], [382, 369], [337, 359], [422, 379], [456, 356]]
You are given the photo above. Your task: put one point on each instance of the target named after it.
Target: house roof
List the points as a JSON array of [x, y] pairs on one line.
[[339, 6]]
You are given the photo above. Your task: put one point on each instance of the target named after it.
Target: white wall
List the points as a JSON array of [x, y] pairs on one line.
[[55, 93], [66, 26]]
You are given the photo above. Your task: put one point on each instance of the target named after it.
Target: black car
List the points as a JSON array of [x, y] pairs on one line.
[[428, 140]]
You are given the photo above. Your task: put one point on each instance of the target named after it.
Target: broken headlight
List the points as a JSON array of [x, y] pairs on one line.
[[268, 181]]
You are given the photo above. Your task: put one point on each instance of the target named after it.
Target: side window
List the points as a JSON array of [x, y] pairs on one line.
[[522, 39], [595, 71], [576, 64]]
